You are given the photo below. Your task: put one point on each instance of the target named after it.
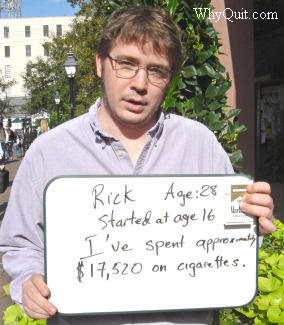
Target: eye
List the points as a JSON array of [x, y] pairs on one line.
[[158, 72], [125, 64]]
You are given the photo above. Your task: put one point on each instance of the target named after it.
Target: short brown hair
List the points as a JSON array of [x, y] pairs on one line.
[[140, 24], [43, 125]]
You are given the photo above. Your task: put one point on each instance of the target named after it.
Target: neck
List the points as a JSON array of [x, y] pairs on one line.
[[123, 130], [133, 137]]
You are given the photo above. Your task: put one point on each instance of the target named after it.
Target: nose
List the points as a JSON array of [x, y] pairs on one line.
[[140, 81]]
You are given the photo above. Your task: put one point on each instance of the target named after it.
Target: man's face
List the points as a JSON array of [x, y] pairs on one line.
[[132, 102]]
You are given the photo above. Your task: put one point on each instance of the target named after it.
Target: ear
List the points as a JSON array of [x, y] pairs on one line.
[[99, 65]]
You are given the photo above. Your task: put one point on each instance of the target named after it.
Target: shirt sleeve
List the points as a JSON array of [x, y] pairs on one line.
[[221, 163], [21, 232]]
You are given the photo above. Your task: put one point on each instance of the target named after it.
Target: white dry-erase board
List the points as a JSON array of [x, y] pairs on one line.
[[148, 243]]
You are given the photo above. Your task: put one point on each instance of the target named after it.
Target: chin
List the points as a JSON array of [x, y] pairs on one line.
[[134, 121]]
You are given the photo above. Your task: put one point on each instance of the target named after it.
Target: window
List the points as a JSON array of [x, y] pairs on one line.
[[6, 32], [7, 71], [46, 51], [45, 30], [58, 30], [7, 51], [28, 50], [28, 31]]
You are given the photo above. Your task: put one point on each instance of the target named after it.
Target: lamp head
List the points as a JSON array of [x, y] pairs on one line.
[[70, 65]]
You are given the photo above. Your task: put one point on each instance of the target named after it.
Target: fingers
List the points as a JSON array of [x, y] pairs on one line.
[[259, 203], [266, 226], [34, 297], [259, 187], [256, 204]]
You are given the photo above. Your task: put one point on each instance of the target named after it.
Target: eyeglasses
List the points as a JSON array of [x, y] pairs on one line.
[[127, 69]]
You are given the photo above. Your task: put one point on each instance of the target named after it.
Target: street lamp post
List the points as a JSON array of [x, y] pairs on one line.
[[24, 124], [70, 66], [57, 102]]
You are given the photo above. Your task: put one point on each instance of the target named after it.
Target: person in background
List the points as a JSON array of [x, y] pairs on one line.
[[2, 146], [43, 126], [9, 141], [20, 143], [124, 132], [15, 145]]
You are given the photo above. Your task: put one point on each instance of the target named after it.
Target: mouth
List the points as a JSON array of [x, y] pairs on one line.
[[135, 101], [135, 104]]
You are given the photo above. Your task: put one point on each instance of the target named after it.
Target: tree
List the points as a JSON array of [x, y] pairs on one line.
[[83, 40], [39, 79], [45, 76], [198, 91], [4, 103]]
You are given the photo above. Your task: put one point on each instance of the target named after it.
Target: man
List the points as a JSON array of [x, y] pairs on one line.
[[124, 132], [9, 141], [2, 146]]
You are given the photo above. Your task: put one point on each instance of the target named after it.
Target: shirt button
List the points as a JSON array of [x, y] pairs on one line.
[[120, 153]]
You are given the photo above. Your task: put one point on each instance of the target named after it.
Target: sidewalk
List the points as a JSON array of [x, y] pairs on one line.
[[12, 167]]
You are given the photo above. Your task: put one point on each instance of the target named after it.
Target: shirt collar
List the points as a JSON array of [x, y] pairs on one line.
[[100, 133]]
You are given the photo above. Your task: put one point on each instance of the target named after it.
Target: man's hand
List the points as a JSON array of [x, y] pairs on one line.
[[34, 297], [259, 203]]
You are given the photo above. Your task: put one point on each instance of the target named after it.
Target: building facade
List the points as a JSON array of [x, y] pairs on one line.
[[21, 40], [252, 37]]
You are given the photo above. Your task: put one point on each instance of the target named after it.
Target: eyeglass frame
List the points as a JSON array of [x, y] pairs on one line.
[[138, 67]]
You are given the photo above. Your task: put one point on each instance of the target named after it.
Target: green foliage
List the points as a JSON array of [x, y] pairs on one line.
[[15, 315], [83, 40], [28, 139], [202, 85], [228, 317], [4, 84], [6, 289], [40, 79], [274, 243], [5, 106], [268, 306], [46, 76], [199, 90]]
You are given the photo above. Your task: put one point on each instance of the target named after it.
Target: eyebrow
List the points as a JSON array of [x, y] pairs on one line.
[[135, 60]]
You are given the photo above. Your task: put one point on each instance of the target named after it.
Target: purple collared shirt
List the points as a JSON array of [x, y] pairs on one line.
[[175, 145]]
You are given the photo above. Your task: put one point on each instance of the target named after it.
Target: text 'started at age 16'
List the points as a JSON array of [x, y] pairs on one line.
[[128, 233]]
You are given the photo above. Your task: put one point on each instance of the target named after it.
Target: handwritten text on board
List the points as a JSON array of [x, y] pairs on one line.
[[147, 231]]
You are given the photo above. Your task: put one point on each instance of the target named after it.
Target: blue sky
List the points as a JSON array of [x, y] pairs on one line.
[[44, 8]]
